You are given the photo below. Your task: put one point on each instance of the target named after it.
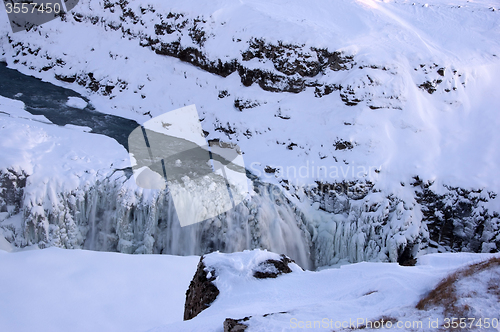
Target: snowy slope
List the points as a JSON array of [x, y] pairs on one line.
[[354, 293], [60, 290], [394, 100]]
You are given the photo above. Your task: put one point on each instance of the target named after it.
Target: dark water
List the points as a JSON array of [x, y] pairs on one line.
[[42, 98]]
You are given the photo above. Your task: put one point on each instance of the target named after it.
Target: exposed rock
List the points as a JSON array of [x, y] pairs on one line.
[[241, 104], [223, 94], [235, 325], [343, 145], [201, 292], [325, 90], [290, 61], [272, 268], [434, 78], [225, 128], [406, 257], [67, 79], [11, 191], [297, 59], [281, 114], [270, 169], [270, 81], [459, 220], [429, 86], [239, 325]]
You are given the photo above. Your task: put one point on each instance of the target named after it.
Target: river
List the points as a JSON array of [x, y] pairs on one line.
[[43, 98]]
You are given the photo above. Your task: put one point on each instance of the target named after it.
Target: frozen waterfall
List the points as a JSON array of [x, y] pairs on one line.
[[113, 214]]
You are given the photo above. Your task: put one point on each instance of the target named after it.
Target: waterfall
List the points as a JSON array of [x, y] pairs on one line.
[[113, 214], [116, 215]]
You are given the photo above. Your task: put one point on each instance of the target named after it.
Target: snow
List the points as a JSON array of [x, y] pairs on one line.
[[46, 151], [15, 108], [82, 128], [92, 291], [4, 244], [240, 265], [76, 102], [57, 290], [364, 291], [480, 292], [398, 130]]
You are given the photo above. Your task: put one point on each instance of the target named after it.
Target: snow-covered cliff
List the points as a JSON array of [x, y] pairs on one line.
[[372, 124]]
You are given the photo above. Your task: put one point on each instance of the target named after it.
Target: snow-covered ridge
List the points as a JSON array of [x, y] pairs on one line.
[[343, 299], [397, 97]]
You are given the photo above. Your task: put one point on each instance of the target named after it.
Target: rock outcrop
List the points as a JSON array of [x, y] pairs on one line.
[[235, 325], [272, 268], [201, 292]]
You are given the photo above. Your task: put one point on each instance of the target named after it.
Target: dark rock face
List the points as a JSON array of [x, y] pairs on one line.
[[241, 104], [293, 67], [458, 220], [439, 79], [235, 325], [303, 62], [11, 191], [430, 87], [343, 145], [272, 268], [406, 256], [201, 292]]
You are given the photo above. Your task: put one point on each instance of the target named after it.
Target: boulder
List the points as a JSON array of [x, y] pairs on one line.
[[201, 292]]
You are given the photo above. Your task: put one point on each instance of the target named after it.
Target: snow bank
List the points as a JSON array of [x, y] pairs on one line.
[[353, 293], [240, 265], [60, 290]]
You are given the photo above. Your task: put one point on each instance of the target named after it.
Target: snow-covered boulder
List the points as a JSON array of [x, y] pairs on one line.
[[217, 271]]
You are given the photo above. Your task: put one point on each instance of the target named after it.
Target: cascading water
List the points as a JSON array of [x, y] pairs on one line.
[[116, 215], [90, 243], [113, 214]]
